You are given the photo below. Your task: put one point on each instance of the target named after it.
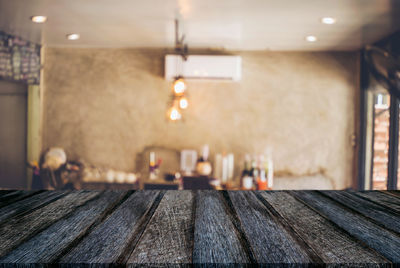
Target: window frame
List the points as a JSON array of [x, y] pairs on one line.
[[365, 157]]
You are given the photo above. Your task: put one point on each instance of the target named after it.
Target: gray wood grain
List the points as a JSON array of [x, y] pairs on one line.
[[15, 196], [329, 242], [388, 201], [216, 239], [270, 241], [367, 208], [17, 230], [386, 242], [168, 237], [395, 193], [8, 195], [113, 240], [4, 192], [29, 204], [203, 227], [49, 244]]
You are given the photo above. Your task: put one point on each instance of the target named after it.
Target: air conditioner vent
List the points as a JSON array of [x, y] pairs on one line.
[[204, 67]]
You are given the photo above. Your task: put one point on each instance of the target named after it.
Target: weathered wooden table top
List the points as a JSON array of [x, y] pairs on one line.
[[184, 227]]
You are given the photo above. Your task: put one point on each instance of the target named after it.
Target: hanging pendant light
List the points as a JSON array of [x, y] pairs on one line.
[[183, 103], [174, 113], [179, 100], [179, 86]]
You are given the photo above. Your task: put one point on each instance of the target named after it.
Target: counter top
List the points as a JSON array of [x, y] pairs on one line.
[[184, 227]]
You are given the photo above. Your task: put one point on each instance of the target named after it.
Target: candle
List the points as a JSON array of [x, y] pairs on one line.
[[205, 153], [270, 173], [225, 168], [152, 159], [230, 166], [217, 166]]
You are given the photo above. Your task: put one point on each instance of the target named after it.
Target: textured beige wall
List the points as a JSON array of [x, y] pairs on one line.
[[107, 105]]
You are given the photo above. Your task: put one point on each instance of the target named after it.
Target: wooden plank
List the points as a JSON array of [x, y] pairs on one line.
[[216, 239], [18, 230], [377, 213], [15, 196], [4, 192], [383, 241], [168, 237], [10, 194], [329, 242], [29, 204], [114, 239], [52, 242], [385, 200], [271, 241], [395, 193]]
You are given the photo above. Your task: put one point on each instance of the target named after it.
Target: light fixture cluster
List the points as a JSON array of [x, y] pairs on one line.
[[324, 20], [179, 100], [42, 19]]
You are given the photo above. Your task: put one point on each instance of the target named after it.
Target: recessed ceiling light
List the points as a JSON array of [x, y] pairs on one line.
[[328, 20], [39, 19], [73, 36], [311, 38]]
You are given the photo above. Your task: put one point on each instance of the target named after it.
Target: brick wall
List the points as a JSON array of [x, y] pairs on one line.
[[381, 147]]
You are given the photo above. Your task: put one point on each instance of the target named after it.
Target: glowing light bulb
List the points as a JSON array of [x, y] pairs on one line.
[[174, 114], [183, 103], [179, 87], [39, 19], [328, 20], [73, 37], [311, 38]]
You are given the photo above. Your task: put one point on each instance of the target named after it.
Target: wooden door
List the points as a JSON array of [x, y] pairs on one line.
[[13, 125]]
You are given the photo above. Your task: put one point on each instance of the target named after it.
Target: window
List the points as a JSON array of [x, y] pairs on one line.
[[380, 149], [379, 137]]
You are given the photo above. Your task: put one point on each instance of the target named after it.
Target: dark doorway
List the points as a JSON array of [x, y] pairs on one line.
[[13, 124]]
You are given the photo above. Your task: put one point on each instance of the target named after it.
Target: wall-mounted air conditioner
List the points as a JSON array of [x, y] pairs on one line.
[[204, 67]]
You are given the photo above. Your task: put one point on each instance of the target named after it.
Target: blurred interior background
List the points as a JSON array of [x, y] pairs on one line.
[[190, 94]]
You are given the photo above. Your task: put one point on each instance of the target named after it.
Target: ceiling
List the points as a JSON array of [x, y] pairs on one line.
[[216, 24]]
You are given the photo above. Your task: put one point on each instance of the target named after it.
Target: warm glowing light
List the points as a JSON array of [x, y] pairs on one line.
[[174, 114], [183, 103], [311, 38], [328, 20], [179, 86], [73, 37], [39, 19]]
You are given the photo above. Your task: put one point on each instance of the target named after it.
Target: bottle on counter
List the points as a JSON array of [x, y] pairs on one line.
[[266, 171], [247, 182], [270, 172], [262, 183], [254, 171], [247, 165], [153, 166]]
